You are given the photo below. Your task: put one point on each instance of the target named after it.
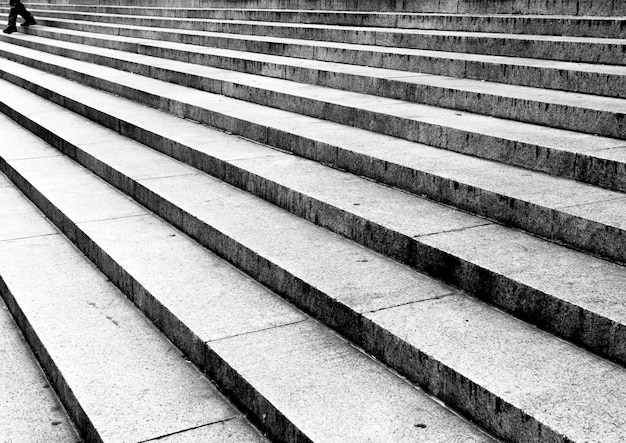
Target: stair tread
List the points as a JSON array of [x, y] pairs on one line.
[[570, 276], [146, 247], [563, 197], [509, 252], [299, 246], [31, 410], [603, 147]]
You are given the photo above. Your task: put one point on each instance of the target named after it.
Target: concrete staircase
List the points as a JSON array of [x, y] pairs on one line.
[[337, 221]]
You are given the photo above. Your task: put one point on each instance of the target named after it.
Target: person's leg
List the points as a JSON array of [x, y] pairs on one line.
[[12, 18], [28, 17]]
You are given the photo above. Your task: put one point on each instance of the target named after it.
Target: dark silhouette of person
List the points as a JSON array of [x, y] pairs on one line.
[[17, 7]]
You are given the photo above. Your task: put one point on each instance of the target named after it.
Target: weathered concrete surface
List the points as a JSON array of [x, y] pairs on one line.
[[29, 408], [422, 327], [205, 208]]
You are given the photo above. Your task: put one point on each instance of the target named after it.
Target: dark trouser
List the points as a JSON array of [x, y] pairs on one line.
[[17, 8]]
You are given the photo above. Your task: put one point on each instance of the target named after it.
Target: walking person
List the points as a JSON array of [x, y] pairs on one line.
[[17, 7]]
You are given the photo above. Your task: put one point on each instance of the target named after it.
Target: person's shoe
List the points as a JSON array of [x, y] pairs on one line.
[[10, 30], [30, 21]]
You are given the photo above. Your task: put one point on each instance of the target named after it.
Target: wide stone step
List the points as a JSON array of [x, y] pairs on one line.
[[589, 114], [298, 379], [31, 411], [542, 7], [598, 160], [118, 377], [612, 27], [477, 261], [596, 79], [469, 252], [473, 357], [206, 32], [576, 214]]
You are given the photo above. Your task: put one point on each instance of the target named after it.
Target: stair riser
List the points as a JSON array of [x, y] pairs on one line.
[[541, 7], [558, 116], [453, 388], [56, 378], [565, 26], [612, 54], [593, 331], [575, 81], [562, 227]]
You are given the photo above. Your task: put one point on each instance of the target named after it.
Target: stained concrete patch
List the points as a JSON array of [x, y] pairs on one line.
[[29, 408]]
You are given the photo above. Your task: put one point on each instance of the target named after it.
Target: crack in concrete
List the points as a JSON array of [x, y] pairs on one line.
[[190, 174], [611, 148], [58, 154], [260, 330], [191, 429], [591, 203], [27, 237], [466, 228], [86, 222], [438, 297]]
